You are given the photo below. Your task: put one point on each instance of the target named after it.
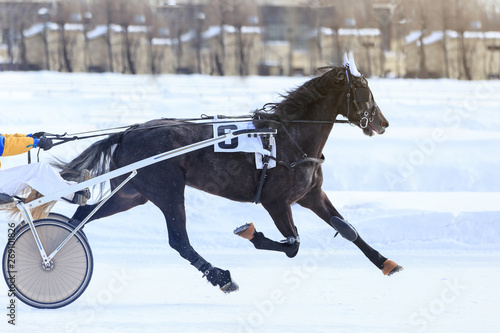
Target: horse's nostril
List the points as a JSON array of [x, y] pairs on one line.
[[385, 124]]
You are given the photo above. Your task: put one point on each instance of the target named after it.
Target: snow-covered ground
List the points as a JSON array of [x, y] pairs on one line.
[[426, 194]]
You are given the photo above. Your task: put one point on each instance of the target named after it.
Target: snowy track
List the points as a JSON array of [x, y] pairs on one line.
[[426, 194]]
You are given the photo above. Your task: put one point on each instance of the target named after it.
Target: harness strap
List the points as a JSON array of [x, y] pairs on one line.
[[303, 154], [299, 161], [308, 159], [263, 176]]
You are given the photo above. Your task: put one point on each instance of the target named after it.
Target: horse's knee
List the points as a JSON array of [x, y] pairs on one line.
[[344, 228], [174, 244], [178, 246]]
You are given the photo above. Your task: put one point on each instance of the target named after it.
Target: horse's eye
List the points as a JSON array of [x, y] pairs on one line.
[[362, 95]]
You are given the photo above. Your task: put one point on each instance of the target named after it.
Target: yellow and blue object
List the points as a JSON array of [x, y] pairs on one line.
[[15, 144]]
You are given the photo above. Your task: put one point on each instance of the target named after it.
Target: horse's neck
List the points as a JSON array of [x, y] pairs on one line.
[[310, 136]]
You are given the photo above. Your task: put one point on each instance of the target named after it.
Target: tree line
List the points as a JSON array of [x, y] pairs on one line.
[[173, 20]]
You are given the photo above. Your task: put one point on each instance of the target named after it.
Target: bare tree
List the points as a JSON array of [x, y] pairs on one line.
[[446, 20], [316, 46], [199, 21], [44, 15], [242, 11], [334, 16], [293, 33], [15, 20], [22, 47], [464, 54], [219, 11], [423, 18], [178, 24], [489, 19], [87, 17], [400, 23], [367, 18], [322, 15], [152, 24], [108, 11], [67, 42], [125, 20], [417, 16], [8, 28]]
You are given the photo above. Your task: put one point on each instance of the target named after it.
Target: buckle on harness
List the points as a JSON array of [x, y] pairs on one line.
[[365, 124], [291, 240]]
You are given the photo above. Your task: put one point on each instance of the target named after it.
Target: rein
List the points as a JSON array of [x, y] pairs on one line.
[[65, 137]]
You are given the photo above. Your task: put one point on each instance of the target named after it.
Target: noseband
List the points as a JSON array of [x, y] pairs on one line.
[[361, 95]]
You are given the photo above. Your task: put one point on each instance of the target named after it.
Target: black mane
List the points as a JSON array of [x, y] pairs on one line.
[[296, 102]]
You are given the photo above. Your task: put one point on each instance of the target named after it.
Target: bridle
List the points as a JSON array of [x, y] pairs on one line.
[[361, 95]]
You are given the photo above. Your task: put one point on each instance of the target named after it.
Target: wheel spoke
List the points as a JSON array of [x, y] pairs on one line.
[[66, 278]]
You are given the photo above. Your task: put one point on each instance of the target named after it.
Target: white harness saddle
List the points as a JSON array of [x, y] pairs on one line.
[[247, 144]]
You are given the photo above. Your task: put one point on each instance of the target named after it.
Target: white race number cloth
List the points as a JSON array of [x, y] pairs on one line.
[[243, 143]]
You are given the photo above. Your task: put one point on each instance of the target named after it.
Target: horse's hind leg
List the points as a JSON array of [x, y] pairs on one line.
[[281, 214], [168, 195], [319, 203]]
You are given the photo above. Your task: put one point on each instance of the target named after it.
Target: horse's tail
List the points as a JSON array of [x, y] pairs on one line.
[[97, 159]]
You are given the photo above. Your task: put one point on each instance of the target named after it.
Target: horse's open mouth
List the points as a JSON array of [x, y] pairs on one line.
[[380, 130], [370, 130]]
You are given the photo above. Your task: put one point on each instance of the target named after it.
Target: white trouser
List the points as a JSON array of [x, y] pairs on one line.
[[40, 176]]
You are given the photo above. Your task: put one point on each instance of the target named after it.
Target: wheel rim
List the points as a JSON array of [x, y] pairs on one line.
[[59, 217], [66, 274]]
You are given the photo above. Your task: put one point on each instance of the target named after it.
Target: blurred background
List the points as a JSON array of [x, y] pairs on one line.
[[389, 38]]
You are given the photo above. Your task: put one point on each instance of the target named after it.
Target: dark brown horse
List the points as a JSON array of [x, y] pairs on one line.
[[303, 119]]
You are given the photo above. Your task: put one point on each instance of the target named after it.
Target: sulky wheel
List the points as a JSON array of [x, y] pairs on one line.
[[53, 286], [59, 217]]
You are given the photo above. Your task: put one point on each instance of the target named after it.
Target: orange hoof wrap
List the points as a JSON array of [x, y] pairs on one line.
[[390, 267], [246, 231]]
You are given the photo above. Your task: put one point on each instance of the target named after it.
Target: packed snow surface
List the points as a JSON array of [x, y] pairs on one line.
[[425, 194]]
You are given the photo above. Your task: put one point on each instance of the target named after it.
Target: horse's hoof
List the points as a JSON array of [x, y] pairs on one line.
[[390, 267], [292, 251], [222, 278], [229, 287], [246, 231]]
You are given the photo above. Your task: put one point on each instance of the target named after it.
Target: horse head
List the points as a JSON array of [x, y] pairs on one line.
[[362, 109], [336, 90]]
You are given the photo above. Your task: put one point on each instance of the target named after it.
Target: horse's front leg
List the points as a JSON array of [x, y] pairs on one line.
[[281, 214], [319, 203]]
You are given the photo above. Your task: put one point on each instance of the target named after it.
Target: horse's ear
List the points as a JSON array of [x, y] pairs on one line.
[[352, 65]]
